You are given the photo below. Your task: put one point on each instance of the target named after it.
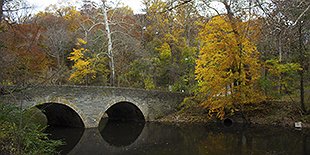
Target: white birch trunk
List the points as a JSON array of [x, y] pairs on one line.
[[110, 45]]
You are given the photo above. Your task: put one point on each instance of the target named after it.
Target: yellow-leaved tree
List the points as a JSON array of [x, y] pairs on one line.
[[87, 66], [228, 66]]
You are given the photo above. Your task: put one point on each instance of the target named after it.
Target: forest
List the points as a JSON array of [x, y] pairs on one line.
[[247, 57], [245, 52], [226, 55]]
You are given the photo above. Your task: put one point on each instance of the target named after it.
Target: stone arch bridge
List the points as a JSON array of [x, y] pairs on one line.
[[85, 106]]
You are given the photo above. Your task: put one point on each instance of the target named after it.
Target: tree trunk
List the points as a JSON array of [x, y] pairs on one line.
[[301, 73], [239, 65], [110, 45], [280, 47], [1, 9], [302, 92], [280, 60]]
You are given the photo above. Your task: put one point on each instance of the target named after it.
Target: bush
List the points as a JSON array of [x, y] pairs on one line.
[[18, 135]]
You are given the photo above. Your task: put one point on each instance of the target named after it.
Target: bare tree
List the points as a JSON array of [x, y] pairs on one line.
[[110, 25], [15, 11], [287, 26]]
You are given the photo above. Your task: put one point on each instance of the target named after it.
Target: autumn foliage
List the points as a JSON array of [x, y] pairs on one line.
[[24, 60], [228, 66], [87, 66], [226, 58]]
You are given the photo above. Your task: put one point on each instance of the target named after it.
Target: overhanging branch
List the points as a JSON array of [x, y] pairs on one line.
[[176, 6]]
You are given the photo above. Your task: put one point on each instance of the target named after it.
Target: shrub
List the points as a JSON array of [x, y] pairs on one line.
[[18, 135]]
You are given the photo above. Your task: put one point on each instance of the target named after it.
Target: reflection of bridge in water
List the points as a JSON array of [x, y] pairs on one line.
[[94, 142], [180, 139], [156, 138]]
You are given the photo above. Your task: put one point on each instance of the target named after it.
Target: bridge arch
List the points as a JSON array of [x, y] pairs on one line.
[[119, 103], [125, 111], [61, 114]]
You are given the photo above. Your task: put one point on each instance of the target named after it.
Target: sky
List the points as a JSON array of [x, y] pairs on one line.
[[40, 5], [136, 5]]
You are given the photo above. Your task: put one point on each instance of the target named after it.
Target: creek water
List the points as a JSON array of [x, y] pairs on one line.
[[132, 138]]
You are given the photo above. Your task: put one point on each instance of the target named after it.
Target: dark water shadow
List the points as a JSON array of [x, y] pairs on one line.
[[70, 137], [121, 133], [191, 139]]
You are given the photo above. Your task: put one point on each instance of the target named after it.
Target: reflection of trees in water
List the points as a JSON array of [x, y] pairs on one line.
[[156, 138], [252, 141], [306, 142]]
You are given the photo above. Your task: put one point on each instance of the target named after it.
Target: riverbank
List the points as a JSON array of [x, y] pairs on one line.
[[272, 113]]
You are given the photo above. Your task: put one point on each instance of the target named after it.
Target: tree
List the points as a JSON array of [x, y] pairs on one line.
[[169, 39], [286, 28], [109, 52], [14, 11], [58, 38], [228, 65], [25, 61], [110, 43], [86, 65], [110, 33]]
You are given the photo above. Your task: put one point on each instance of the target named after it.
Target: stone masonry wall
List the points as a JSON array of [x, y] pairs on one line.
[[91, 102]]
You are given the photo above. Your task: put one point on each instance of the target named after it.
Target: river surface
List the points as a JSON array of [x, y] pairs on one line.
[[163, 139]]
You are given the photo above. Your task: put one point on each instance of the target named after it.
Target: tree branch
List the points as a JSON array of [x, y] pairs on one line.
[[301, 15], [176, 6]]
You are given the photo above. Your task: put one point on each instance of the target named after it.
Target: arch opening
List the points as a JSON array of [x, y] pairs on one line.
[[122, 124], [60, 115], [125, 111]]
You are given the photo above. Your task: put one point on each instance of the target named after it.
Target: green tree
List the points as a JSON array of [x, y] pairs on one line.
[[169, 40]]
